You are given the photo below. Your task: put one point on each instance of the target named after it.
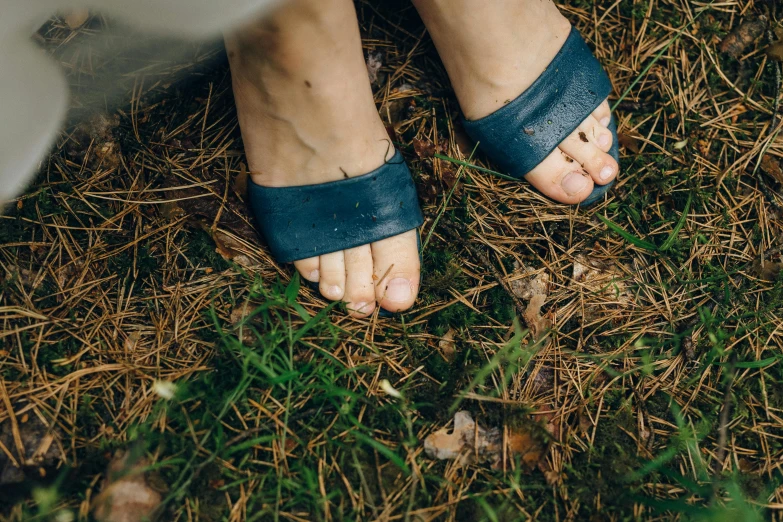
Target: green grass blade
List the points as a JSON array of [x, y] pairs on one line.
[[681, 223], [641, 243]]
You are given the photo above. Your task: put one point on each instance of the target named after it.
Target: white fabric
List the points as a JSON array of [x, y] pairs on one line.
[[33, 91]]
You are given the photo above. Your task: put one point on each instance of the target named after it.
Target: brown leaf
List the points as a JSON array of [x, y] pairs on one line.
[[127, 495], [449, 176], [424, 149], [392, 134], [767, 270], [131, 341], [629, 142], [771, 165], [231, 249], [775, 51], [743, 36], [447, 346], [534, 290], [469, 443], [538, 324], [530, 284], [604, 281]]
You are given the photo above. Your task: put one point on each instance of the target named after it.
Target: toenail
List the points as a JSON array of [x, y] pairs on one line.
[[604, 140], [398, 290], [605, 121], [362, 308], [606, 172], [315, 275], [574, 183], [332, 290]]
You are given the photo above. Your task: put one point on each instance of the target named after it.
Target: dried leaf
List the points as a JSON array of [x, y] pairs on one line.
[[233, 213], [771, 165], [447, 346], [775, 51], [530, 284], [743, 36], [424, 149], [231, 249], [603, 280], [534, 290], [127, 495], [629, 142], [538, 324], [469, 443], [767, 270], [448, 176]]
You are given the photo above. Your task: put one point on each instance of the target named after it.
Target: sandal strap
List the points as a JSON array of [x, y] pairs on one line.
[[311, 220], [519, 135]]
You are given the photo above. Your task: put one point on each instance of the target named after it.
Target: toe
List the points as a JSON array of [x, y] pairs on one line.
[[596, 134], [396, 268], [332, 274], [561, 178], [359, 288], [603, 114], [309, 269], [585, 146]]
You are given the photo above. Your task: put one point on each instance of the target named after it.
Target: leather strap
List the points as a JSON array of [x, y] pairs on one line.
[[519, 135], [310, 220]]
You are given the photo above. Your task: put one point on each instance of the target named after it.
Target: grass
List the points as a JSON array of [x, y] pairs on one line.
[[131, 264]]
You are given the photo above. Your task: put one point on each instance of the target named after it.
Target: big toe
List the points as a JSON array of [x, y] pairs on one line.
[[396, 268], [561, 178]]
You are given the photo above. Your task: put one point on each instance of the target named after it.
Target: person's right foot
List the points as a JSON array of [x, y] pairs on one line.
[[493, 54], [307, 116]]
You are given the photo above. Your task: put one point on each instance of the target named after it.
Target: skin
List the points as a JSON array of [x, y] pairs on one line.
[[307, 116]]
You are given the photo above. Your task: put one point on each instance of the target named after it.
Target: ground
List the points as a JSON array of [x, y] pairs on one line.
[[627, 356]]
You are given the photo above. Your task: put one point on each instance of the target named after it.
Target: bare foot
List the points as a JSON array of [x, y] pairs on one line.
[[307, 116], [493, 54]]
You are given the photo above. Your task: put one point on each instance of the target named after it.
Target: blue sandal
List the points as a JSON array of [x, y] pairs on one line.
[[519, 135], [311, 220]]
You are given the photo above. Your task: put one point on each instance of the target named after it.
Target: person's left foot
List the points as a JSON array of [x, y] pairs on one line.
[[492, 55]]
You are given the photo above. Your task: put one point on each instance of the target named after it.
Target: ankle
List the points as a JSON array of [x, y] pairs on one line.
[[492, 55], [284, 159]]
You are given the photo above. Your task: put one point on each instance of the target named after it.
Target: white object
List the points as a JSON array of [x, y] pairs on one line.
[[33, 91]]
